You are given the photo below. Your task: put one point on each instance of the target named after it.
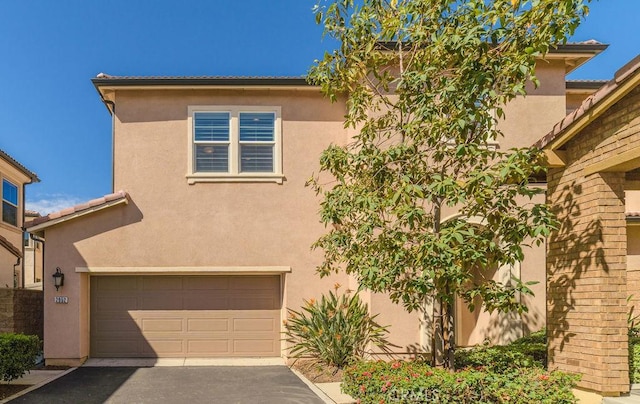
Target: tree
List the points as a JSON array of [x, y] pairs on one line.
[[426, 82]]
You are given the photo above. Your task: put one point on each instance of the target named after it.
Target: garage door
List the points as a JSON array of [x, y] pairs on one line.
[[185, 316]]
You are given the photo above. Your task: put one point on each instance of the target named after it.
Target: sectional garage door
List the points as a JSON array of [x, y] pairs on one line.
[[185, 316]]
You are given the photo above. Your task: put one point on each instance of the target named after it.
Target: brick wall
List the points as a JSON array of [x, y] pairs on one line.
[[21, 311], [586, 260]]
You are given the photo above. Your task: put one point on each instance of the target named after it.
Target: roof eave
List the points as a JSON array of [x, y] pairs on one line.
[[32, 176], [583, 87], [104, 85], [38, 228]]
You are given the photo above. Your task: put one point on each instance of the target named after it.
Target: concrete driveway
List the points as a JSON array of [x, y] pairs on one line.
[[216, 384]]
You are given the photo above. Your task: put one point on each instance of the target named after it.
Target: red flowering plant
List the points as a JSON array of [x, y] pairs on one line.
[[402, 382]]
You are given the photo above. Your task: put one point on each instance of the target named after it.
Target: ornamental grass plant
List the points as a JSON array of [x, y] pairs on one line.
[[335, 330]]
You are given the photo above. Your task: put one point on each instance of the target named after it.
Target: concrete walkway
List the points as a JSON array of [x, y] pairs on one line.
[[632, 398]]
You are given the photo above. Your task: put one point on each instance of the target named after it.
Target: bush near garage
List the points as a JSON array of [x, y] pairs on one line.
[[405, 382], [18, 354], [336, 330], [526, 352]]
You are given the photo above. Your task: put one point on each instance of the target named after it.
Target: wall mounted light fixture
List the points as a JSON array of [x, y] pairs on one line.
[[58, 278]]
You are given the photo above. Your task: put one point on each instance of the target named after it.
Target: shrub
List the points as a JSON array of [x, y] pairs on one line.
[[335, 330], [538, 337], [376, 382], [18, 354], [634, 359], [526, 352]]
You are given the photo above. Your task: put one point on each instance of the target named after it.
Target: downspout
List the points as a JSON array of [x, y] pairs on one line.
[[24, 209], [15, 281], [113, 140]]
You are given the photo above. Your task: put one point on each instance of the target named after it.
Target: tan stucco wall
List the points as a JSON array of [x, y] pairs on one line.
[[528, 118]]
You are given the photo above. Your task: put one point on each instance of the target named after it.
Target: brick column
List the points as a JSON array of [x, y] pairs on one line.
[[586, 270]]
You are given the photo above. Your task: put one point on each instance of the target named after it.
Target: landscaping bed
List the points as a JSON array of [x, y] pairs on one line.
[[515, 373], [7, 390], [318, 372], [375, 382]]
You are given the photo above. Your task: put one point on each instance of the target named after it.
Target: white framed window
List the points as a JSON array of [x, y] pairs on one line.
[[9, 203], [234, 144]]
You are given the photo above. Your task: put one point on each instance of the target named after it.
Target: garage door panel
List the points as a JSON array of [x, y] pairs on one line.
[[251, 347], [115, 304], [117, 347], [119, 283], [205, 302], [165, 324], [211, 324], [170, 347], [253, 324], [158, 283], [160, 301], [253, 282], [209, 283], [128, 325], [209, 346], [252, 303], [208, 316]]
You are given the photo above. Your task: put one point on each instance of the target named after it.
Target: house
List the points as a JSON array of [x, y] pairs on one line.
[[14, 178], [205, 240], [33, 255], [593, 260]]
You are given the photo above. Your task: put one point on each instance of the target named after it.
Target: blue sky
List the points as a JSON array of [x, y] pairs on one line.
[[51, 117]]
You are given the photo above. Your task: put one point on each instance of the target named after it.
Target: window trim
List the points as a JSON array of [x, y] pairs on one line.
[[234, 174], [16, 205]]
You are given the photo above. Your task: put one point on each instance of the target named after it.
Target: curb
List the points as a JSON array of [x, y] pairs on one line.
[[36, 386], [321, 394]]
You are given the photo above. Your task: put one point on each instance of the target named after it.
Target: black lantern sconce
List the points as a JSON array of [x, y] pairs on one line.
[[58, 278]]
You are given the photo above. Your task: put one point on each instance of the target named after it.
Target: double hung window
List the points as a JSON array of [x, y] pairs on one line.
[[9, 203], [235, 144]]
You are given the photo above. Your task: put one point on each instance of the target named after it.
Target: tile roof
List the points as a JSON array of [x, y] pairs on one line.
[[103, 79], [4, 155], [620, 77], [78, 209], [10, 247], [29, 212]]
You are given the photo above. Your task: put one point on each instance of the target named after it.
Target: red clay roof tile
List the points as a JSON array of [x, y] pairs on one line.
[[78, 208], [621, 75]]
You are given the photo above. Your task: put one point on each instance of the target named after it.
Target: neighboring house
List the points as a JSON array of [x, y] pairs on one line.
[[205, 241], [14, 177], [33, 255], [593, 262]]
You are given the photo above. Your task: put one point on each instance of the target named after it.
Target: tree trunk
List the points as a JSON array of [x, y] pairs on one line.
[[437, 341], [449, 336]]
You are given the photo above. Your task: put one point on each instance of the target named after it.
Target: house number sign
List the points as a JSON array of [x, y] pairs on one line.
[[61, 299]]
